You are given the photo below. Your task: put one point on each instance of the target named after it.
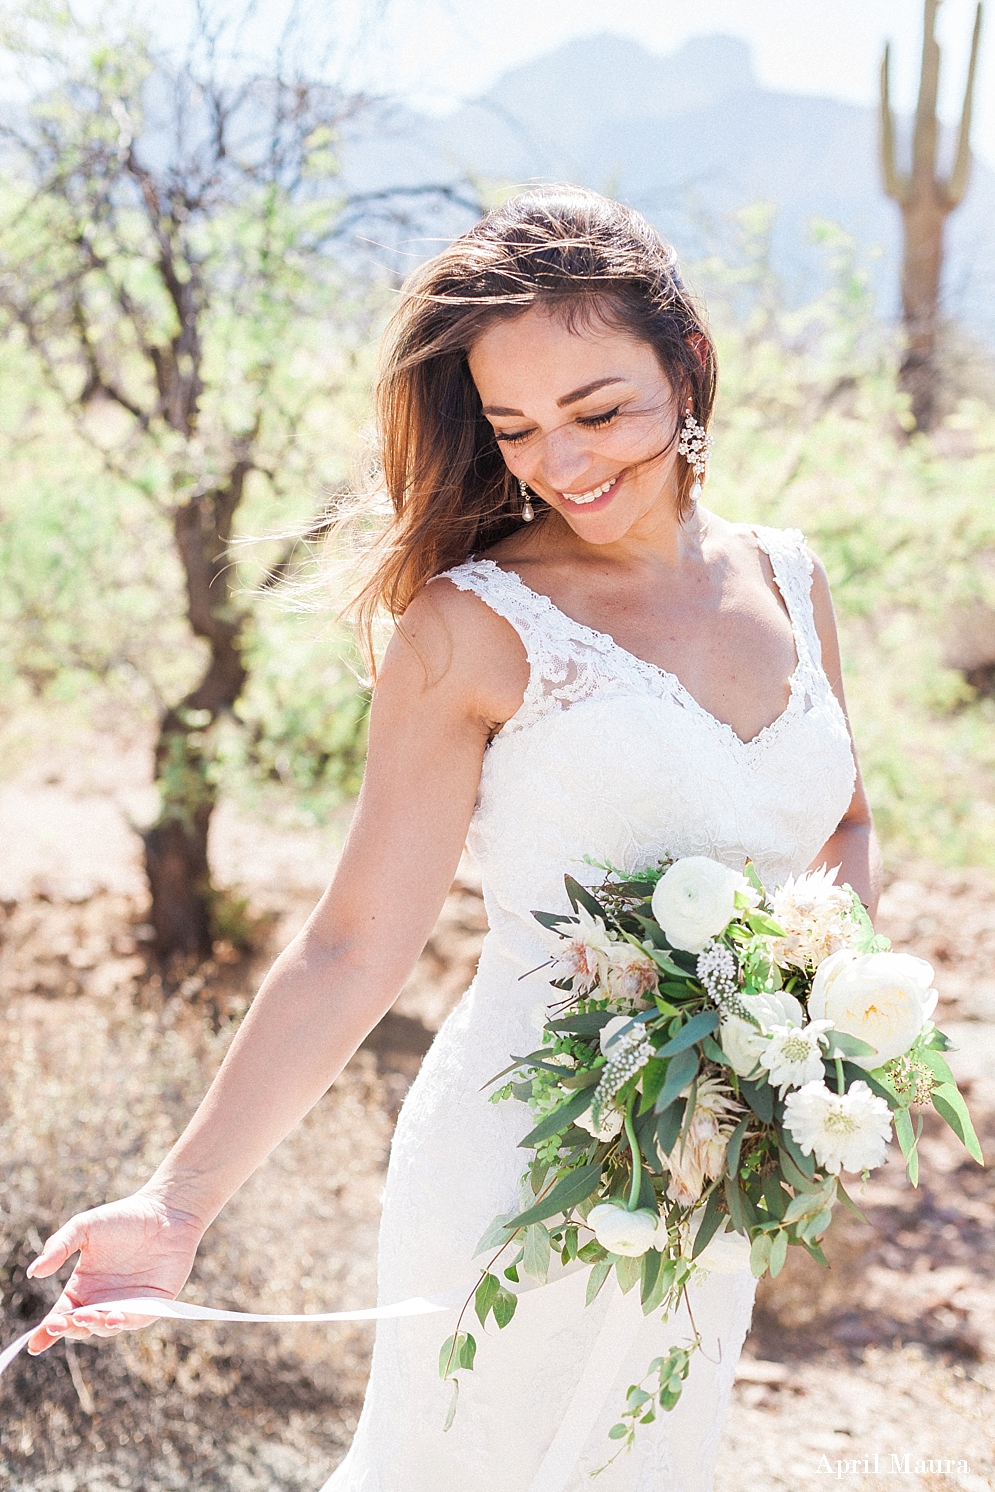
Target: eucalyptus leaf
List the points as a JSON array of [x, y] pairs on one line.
[[581, 897], [556, 1122], [454, 1400], [576, 1186], [650, 1273], [909, 1142], [760, 1254], [778, 1253], [760, 1097], [735, 1144], [680, 1073], [583, 1023], [627, 1272], [937, 1064], [950, 1105], [668, 1125], [842, 1044], [553, 920], [599, 1273], [702, 1024], [709, 1225]]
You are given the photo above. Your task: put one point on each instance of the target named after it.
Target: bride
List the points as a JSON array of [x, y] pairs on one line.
[[586, 662]]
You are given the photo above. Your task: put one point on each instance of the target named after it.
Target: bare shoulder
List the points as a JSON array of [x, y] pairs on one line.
[[451, 646]]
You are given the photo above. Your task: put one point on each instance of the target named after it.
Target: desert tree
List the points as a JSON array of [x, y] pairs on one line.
[[926, 198], [173, 254]]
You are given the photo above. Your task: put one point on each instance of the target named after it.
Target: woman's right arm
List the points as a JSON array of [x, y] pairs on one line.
[[435, 705]]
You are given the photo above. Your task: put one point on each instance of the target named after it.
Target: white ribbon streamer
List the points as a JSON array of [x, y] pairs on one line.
[[180, 1310]]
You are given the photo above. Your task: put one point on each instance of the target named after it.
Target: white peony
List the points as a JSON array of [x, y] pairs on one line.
[[742, 1042], [816, 915], [623, 1232], [724, 1253], [695, 900], [793, 1055], [884, 999], [845, 1131]]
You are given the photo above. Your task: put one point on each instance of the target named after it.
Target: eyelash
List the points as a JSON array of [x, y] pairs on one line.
[[592, 422]]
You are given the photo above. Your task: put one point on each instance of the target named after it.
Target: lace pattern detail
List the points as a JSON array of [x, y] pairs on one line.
[[570, 662]]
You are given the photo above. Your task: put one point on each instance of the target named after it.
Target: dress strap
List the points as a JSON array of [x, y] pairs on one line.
[[505, 594], [792, 565]]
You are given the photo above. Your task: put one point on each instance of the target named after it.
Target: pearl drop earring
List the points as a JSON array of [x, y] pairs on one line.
[[694, 446], [528, 512]]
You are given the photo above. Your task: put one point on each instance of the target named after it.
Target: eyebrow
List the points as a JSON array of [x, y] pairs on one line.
[[578, 394]]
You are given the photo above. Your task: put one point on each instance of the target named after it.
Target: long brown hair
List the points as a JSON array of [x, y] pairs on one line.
[[573, 251]]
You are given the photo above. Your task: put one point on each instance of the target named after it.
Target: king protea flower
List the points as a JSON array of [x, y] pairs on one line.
[[701, 1154], [815, 915]]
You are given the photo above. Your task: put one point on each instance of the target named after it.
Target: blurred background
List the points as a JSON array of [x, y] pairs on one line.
[[204, 218]]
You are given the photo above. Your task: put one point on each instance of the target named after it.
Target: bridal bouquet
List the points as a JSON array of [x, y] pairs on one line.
[[719, 1057]]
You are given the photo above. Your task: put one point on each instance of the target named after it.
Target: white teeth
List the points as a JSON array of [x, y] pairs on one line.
[[588, 497]]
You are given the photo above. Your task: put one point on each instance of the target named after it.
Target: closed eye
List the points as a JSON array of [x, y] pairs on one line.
[[595, 421], [511, 437]]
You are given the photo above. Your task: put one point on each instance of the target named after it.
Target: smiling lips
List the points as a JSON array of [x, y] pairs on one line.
[[589, 497]]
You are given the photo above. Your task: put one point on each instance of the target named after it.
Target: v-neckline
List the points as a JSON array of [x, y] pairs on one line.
[[606, 643]]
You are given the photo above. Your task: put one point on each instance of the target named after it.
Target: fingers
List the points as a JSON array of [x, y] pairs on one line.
[[62, 1244], [79, 1325]]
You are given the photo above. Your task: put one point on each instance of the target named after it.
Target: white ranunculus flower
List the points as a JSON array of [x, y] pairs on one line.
[[724, 1253], [845, 1131], [884, 999], [742, 1042], [695, 900], [793, 1055], [623, 1232], [775, 1007]]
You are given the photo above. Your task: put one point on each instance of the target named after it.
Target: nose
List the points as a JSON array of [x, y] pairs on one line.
[[564, 460]]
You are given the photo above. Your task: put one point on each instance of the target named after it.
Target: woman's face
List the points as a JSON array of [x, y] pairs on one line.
[[586, 417]]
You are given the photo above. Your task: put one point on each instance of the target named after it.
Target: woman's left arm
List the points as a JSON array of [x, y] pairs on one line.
[[854, 845]]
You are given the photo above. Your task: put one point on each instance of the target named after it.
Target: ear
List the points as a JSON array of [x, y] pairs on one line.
[[699, 344]]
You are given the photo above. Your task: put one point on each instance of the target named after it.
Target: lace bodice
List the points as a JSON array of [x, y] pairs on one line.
[[611, 757]]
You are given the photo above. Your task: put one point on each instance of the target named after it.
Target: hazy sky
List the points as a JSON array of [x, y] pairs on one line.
[[439, 51]]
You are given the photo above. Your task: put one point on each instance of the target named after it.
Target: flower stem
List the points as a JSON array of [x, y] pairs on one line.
[[840, 1082], [637, 1164]]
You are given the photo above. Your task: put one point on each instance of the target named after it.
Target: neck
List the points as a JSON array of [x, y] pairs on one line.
[[658, 539]]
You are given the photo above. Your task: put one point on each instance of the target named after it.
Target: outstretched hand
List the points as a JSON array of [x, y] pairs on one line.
[[137, 1246]]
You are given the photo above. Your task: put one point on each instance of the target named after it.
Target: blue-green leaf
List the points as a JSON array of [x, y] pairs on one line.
[[559, 1120], [681, 1071], [698, 1026], [572, 1188]]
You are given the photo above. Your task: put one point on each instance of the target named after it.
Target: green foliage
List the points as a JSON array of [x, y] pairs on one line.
[[810, 433]]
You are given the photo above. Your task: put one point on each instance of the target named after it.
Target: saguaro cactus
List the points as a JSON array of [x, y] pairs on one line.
[[926, 200]]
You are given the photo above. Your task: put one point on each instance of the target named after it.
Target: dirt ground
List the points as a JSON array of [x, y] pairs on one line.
[[889, 1354]]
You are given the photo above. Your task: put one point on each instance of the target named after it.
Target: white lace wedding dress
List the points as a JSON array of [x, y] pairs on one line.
[[610, 757]]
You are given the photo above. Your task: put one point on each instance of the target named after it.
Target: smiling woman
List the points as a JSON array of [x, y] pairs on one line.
[[586, 264], [627, 677]]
